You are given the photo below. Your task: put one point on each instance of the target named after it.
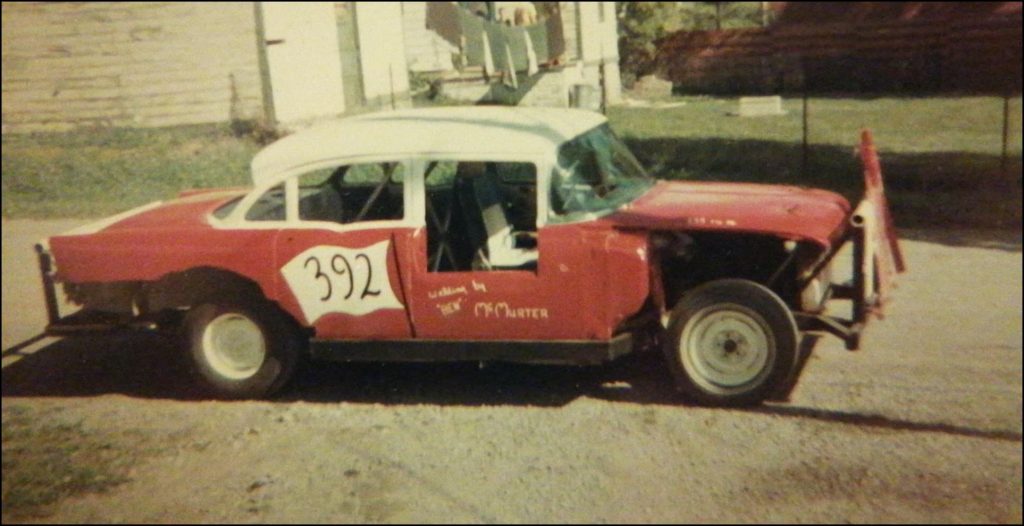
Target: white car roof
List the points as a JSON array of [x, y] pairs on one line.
[[455, 130]]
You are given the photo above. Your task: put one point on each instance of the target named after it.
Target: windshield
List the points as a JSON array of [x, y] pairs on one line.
[[596, 174]]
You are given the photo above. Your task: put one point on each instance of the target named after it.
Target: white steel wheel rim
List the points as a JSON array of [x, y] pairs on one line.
[[234, 346], [727, 349]]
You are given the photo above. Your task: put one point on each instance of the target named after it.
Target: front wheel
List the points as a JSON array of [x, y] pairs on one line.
[[731, 342], [240, 350]]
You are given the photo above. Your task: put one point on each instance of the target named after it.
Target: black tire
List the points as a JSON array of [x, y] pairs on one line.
[[240, 349], [731, 342]]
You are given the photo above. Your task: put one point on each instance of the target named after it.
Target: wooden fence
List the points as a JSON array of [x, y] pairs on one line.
[[981, 55]]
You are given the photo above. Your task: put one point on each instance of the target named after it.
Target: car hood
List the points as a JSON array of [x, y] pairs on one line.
[[787, 211]]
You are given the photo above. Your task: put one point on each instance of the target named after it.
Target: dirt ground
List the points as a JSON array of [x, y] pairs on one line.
[[922, 425]]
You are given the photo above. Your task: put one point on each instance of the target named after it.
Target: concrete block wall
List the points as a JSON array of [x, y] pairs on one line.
[[549, 92]]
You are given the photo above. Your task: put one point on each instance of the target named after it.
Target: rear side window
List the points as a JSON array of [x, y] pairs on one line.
[[353, 193], [269, 207], [225, 210]]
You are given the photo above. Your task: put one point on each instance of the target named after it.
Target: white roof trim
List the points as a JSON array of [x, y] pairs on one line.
[[461, 130]]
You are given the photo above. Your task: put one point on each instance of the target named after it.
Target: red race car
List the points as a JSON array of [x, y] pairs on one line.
[[481, 234]]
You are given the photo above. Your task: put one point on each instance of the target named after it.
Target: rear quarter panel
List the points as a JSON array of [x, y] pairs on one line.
[[148, 255]]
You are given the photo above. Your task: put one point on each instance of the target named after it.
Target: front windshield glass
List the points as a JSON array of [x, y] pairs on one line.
[[596, 174]]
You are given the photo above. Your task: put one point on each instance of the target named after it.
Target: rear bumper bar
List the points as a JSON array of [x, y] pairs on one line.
[[49, 290], [83, 321]]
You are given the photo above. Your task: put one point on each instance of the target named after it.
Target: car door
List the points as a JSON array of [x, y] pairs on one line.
[[338, 255], [469, 281]]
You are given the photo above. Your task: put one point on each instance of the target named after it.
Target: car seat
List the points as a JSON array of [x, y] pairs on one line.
[[479, 191]]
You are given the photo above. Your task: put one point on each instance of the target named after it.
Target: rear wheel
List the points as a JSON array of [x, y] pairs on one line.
[[731, 342], [240, 349]]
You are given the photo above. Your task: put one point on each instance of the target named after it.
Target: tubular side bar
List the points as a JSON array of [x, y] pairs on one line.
[[565, 352]]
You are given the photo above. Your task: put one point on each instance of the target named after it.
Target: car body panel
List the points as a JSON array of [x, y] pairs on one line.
[[784, 211], [171, 237], [564, 299], [370, 280]]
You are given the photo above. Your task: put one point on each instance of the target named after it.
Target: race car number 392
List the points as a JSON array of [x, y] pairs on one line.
[[326, 279]]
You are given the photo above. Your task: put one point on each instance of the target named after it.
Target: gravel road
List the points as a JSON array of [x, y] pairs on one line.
[[923, 424]]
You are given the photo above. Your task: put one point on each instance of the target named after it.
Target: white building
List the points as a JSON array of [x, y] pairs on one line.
[[69, 65]]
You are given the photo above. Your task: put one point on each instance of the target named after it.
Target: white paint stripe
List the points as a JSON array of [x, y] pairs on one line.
[[97, 226]]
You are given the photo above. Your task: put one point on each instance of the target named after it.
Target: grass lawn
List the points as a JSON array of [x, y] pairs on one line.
[[47, 459], [940, 155], [104, 171]]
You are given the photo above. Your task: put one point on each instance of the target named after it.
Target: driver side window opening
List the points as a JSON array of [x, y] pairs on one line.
[[596, 174], [353, 193], [481, 216]]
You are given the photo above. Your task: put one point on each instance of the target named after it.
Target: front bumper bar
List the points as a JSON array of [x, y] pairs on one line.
[[877, 258], [865, 299]]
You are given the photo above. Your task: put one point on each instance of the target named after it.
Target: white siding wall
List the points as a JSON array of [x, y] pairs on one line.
[[382, 53], [127, 64], [569, 31], [599, 44], [425, 50], [305, 64], [610, 32]]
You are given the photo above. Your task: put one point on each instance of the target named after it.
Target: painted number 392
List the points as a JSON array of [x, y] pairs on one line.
[[328, 278], [340, 266]]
